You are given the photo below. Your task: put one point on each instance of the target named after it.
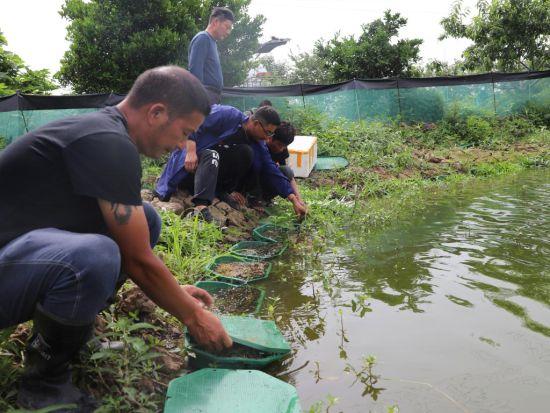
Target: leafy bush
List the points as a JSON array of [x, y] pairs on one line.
[[516, 127], [422, 105], [538, 109]]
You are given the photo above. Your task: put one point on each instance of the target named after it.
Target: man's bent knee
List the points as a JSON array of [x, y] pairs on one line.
[[154, 222], [287, 171], [97, 263]]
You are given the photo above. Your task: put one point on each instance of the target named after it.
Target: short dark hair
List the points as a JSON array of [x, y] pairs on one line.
[[221, 13], [285, 133], [265, 102], [267, 115], [174, 86]]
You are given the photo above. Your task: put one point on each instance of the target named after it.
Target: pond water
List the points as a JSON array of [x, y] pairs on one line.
[[460, 307]]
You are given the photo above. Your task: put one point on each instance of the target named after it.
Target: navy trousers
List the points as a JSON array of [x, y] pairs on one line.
[[71, 275]]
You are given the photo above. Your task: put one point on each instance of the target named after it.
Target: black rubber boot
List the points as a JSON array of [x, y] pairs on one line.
[[46, 380]]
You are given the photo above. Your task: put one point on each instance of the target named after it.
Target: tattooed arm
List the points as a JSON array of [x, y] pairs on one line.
[[128, 227], [121, 213]]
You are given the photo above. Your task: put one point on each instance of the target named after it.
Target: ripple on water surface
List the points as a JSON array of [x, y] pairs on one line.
[[458, 315]]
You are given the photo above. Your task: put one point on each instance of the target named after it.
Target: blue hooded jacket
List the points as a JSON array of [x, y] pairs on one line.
[[222, 123]]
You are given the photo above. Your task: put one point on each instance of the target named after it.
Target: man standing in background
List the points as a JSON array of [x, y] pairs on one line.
[[204, 60]]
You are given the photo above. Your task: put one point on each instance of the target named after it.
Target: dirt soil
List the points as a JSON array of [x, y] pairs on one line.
[[267, 250], [238, 350], [237, 300], [243, 270], [277, 234]]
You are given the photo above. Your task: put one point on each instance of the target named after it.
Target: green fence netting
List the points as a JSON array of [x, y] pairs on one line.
[[409, 100]]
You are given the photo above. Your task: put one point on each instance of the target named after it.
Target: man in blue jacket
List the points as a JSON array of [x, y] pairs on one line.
[[228, 149], [204, 60]]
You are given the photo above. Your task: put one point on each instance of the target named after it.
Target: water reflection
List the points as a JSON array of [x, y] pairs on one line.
[[458, 307]]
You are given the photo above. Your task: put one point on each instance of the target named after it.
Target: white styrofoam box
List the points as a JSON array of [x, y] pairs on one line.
[[303, 155]]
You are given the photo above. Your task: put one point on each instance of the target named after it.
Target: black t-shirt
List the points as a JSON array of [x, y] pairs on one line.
[[281, 157], [52, 177], [239, 137]]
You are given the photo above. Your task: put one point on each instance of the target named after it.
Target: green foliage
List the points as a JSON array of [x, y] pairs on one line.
[[537, 108], [366, 376], [305, 68], [308, 68], [16, 76], [375, 54], [278, 73], [237, 50], [186, 245], [9, 369], [436, 67], [113, 41], [320, 406], [364, 144], [422, 105], [508, 35], [119, 372]]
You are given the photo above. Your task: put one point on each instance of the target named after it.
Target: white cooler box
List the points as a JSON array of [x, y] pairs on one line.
[[303, 155]]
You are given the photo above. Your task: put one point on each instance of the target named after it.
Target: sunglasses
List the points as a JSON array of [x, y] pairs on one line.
[[267, 133]]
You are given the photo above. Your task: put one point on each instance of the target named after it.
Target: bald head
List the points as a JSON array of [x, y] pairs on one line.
[[179, 90]]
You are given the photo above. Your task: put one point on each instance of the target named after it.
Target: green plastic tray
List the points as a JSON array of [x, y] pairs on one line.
[[204, 359], [214, 286], [330, 162], [258, 233], [262, 335], [211, 268], [251, 244], [235, 391]]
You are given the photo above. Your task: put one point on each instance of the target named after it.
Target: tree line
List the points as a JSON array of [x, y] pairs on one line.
[[113, 41]]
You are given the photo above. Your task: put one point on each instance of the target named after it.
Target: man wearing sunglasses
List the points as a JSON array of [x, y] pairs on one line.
[[221, 156]]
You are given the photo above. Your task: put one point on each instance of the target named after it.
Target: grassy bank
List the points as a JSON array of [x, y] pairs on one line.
[[392, 169]]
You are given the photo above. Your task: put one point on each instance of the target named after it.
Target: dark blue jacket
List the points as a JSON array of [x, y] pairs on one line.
[[222, 123]]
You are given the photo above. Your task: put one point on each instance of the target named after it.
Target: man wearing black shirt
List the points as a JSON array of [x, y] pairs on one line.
[[71, 219]]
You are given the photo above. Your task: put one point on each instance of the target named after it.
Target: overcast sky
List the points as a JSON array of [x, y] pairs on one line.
[[36, 32]]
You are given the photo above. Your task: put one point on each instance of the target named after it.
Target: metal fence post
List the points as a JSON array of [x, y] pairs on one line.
[[356, 99], [302, 93], [399, 101], [494, 95]]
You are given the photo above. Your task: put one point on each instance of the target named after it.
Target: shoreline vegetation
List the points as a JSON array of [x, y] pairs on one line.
[[392, 168]]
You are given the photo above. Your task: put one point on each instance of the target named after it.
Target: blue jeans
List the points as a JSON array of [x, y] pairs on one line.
[[71, 275]]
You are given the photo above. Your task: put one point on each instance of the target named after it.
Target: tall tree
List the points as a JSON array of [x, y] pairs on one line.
[[508, 35], [113, 41], [15, 75], [275, 73], [436, 67], [308, 68], [375, 54], [237, 51]]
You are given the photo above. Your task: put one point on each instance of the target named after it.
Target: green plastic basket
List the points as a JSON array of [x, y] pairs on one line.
[[252, 333], [237, 249], [214, 286], [259, 233], [222, 259], [204, 359], [235, 391]]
